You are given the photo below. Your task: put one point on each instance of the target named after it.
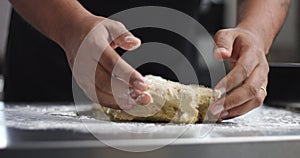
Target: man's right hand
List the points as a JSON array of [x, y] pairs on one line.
[[102, 74], [71, 26]]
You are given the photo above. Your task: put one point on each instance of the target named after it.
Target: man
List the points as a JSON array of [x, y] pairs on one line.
[[67, 22]]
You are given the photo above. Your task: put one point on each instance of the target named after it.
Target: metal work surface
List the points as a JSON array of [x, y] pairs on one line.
[[66, 130]]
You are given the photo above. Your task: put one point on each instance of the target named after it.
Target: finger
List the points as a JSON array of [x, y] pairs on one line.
[[243, 68], [110, 58], [114, 64], [244, 93], [217, 107], [105, 81], [114, 102], [249, 90], [121, 90], [127, 41], [118, 88], [134, 93], [99, 96], [144, 99], [120, 36], [246, 107], [224, 40], [113, 45]]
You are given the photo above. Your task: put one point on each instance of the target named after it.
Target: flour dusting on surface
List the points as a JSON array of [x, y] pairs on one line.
[[264, 121]]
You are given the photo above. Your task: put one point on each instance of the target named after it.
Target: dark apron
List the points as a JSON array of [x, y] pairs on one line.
[[36, 68]]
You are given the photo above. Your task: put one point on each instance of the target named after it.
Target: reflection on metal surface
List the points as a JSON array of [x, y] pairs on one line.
[[3, 131]]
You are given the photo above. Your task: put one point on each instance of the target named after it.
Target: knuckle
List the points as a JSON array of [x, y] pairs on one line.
[[221, 37], [221, 33]]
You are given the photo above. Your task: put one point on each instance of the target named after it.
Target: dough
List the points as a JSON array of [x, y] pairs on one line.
[[172, 102]]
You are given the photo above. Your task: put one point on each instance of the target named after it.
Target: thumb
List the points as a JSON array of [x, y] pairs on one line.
[[224, 40], [120, 36], [127, 41]]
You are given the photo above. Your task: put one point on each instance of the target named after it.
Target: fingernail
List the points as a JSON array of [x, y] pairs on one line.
[[149, 97], [129, 38], [216, 109], [140, 85], [224, 114], [140, 99], [144, 99]]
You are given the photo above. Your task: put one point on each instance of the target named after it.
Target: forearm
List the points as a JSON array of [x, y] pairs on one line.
[[55, 18], [263, 18]]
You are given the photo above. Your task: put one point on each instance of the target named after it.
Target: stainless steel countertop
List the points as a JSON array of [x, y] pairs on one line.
[[264, 132]]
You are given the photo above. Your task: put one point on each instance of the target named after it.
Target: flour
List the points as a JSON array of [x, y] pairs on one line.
[[260, 122]]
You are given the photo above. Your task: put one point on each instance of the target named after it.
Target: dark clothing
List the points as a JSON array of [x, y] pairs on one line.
[[36, 68]]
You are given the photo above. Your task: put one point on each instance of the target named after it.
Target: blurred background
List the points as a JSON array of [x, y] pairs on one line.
[[284, 48]]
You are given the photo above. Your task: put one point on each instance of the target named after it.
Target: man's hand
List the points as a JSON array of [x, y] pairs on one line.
[[103, 75], [247, 81], [85, 38], [258, 23]]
